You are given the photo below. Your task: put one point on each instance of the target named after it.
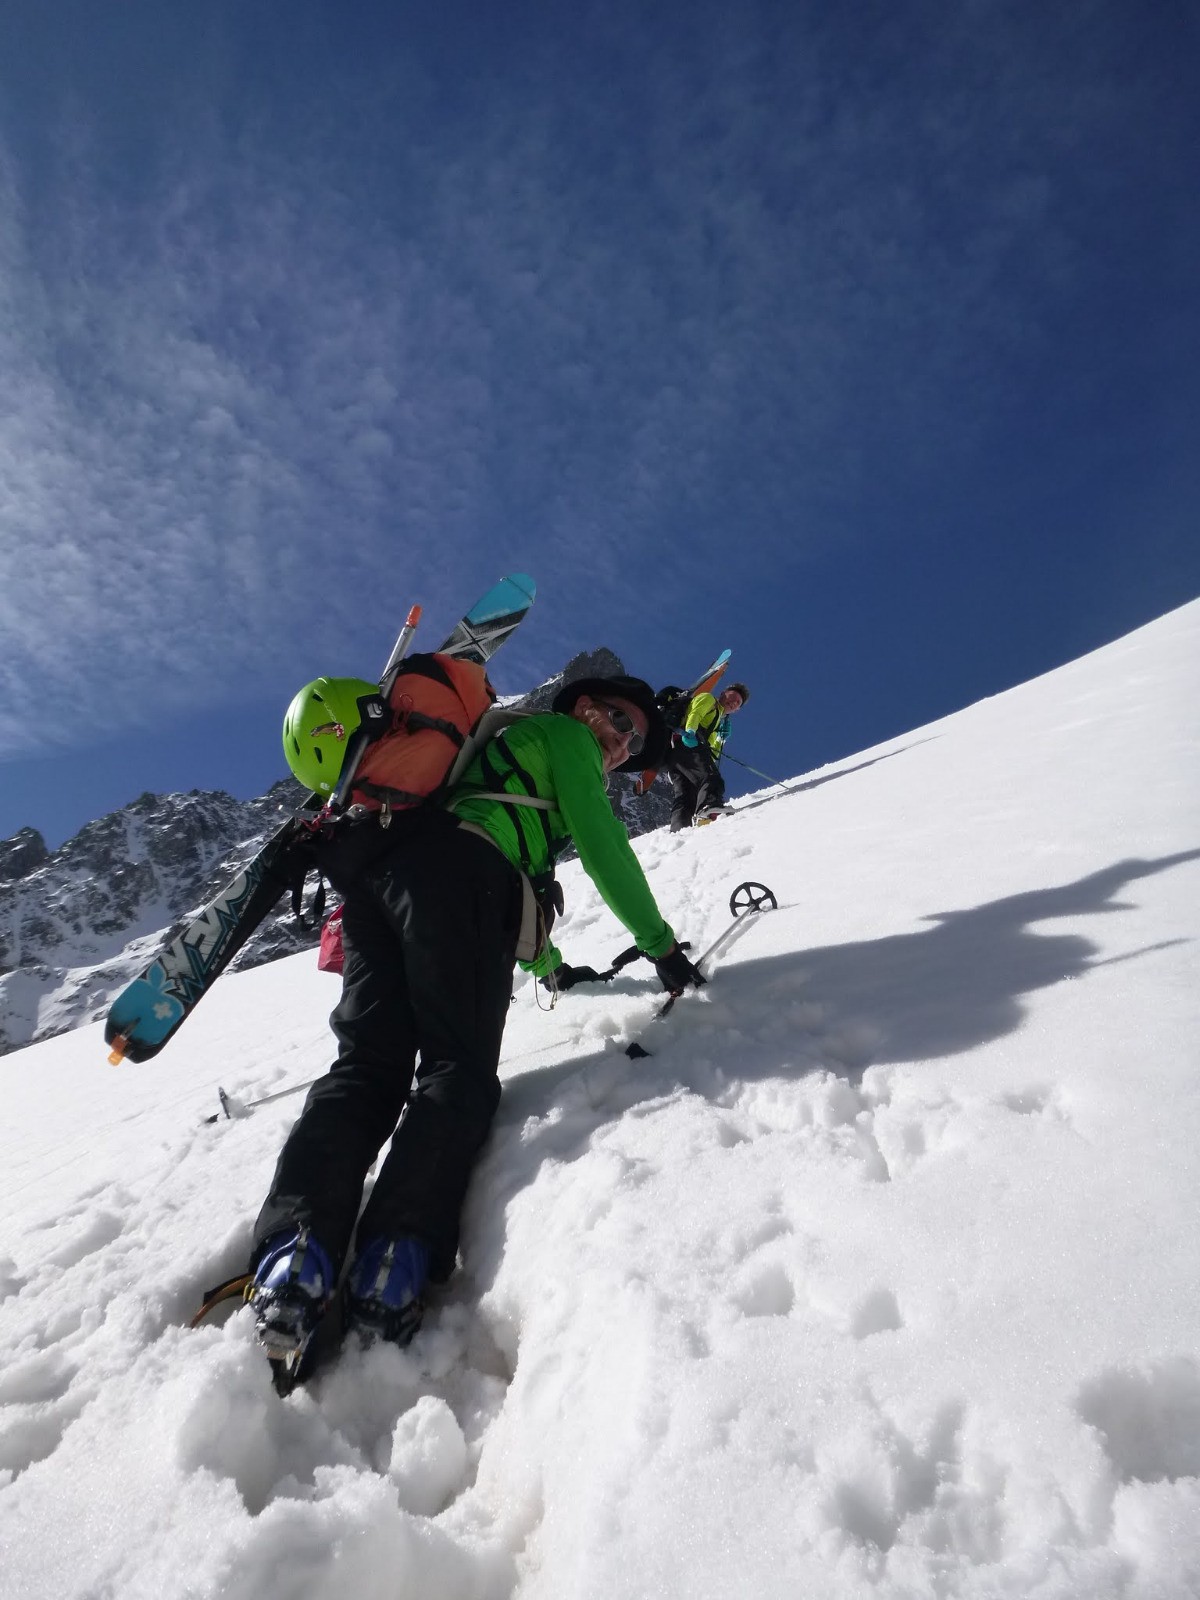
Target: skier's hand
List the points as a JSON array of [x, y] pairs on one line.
[[676, 972], [566, 977]]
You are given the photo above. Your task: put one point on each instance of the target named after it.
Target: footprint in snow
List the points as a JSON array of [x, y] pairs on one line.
[[1148, 1419], [878, 1312]]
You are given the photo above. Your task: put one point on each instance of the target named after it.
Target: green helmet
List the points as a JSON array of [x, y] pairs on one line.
[[318, 726]]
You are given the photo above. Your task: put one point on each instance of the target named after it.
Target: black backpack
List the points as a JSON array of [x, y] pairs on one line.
[[673, 703]]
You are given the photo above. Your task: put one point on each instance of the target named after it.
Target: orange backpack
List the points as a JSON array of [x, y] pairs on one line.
[[436, 703]]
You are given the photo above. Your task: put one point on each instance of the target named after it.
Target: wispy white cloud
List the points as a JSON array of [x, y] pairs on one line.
[[261, 392]]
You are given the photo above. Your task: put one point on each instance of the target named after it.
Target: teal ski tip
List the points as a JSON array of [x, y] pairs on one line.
[[483, 629], [512, 594]]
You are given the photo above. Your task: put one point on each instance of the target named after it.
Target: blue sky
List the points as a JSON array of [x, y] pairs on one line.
[[862, 339]]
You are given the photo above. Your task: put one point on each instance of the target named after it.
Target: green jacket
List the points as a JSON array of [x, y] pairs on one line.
[[559, 759], [707, 721]]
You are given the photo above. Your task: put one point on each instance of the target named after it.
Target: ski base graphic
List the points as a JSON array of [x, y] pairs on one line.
[[149, 1009]]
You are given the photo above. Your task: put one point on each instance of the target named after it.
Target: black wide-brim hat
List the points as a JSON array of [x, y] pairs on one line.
[[640, 694]]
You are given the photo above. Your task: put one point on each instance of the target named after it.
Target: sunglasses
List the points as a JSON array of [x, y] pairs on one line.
[[623, 723]]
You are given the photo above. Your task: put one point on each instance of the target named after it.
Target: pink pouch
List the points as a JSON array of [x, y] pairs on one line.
[[331, 957]]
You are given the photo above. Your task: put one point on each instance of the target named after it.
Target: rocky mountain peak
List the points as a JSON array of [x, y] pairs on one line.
[[22, 854]]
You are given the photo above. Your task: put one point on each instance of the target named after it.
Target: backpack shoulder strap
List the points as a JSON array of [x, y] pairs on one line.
[[490, 724]]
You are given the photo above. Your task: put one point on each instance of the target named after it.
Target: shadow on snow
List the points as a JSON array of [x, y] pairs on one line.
[[939, 991]]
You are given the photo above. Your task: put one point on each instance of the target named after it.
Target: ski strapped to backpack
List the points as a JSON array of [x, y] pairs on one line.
[[154, 1005], [673, 702]]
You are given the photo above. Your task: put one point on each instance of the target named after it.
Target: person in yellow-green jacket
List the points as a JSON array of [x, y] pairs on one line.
[[432, 923], [697, 786]]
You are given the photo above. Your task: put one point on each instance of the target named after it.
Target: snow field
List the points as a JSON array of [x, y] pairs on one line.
[[877, 1278]]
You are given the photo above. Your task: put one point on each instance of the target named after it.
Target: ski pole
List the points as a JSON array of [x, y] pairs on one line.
[[755, 770], [249, 1105], [758, 898], [747, 898]]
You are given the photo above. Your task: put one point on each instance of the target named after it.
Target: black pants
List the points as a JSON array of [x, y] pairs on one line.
[[695, 783], [430, 935]]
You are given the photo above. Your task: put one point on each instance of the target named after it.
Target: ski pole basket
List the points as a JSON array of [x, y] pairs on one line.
[[747, 900]]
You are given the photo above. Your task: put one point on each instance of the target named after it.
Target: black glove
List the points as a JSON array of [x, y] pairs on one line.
[[676, 972], [565, 977]]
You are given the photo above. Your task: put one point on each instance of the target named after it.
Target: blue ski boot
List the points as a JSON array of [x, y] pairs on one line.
[[292, 1287], [385, 1287]]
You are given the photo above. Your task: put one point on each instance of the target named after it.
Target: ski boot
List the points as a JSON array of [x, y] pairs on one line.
[[710, 814], [385, 1287], [289, 1294]]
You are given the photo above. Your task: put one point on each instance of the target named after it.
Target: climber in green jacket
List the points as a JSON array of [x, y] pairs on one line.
[[563, 759], [432, 923]]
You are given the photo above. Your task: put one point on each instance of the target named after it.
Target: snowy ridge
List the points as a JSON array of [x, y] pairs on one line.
[[880, 1277]]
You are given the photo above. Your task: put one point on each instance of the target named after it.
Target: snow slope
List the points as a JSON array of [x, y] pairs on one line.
[[878, 1278]]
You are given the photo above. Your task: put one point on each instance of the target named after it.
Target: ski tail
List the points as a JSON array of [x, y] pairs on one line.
[[490, 621], [710, 674], [149, 1010]]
